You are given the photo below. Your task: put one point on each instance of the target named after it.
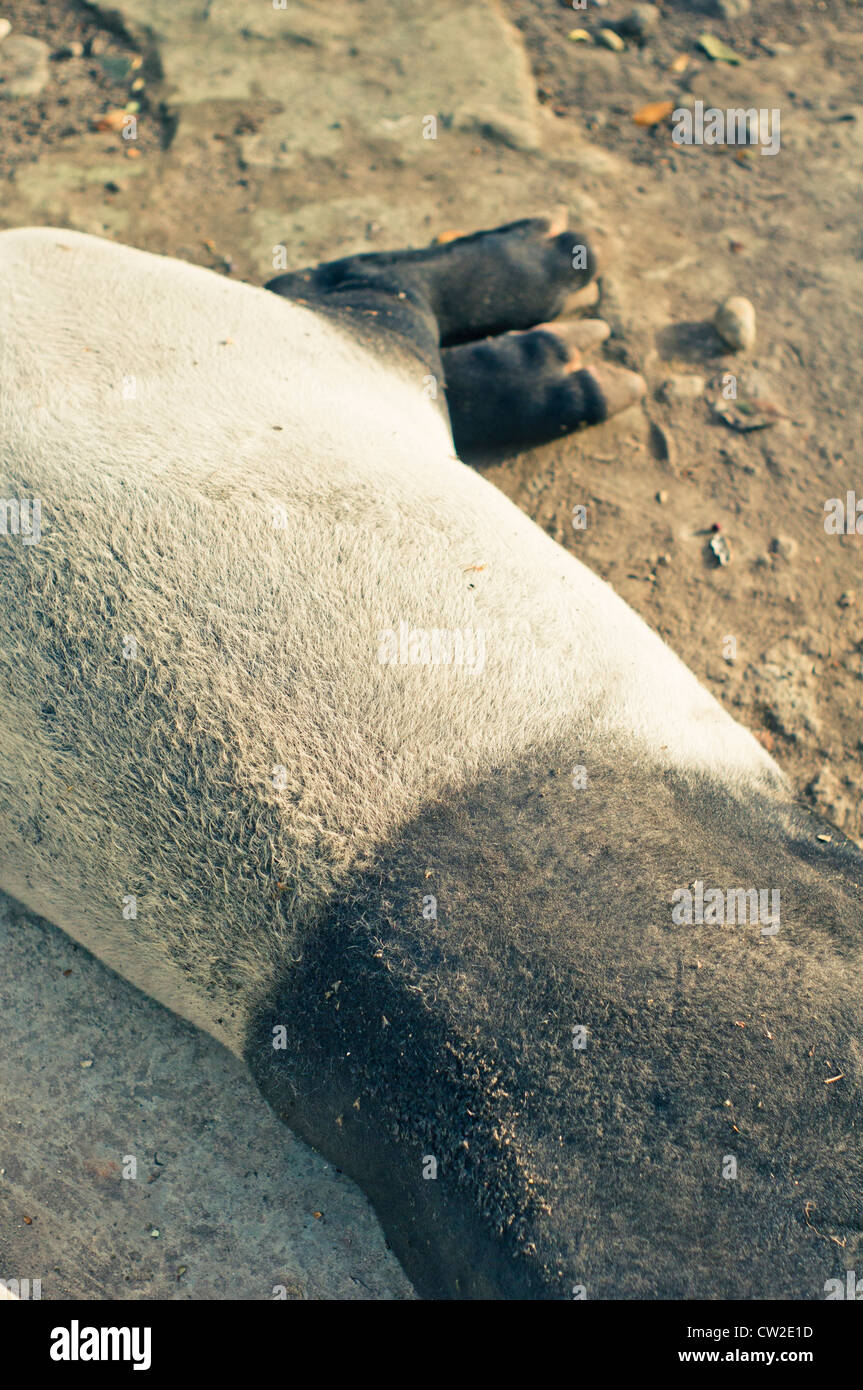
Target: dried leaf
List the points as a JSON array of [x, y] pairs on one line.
[[607, 38], [717, 50], [112, 120], [115, 68], [747, 416], [653, 113]]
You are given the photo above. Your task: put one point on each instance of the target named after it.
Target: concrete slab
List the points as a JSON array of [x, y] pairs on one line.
[[225, 1204], [388, 61]]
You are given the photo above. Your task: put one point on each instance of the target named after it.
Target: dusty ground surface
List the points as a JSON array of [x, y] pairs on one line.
[[692, 225], [302, 126]]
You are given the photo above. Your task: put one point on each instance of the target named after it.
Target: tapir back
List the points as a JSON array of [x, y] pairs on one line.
[[268, 617]]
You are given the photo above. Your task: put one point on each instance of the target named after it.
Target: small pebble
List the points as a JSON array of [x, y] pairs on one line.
[[639, 21], [608, 39], [23, 67], [735, 323], [662, 496], [729, 9], [683, 388], [848, 599], [661, 444], [5, 28], [784, 546], [96, 45], [70, 50]]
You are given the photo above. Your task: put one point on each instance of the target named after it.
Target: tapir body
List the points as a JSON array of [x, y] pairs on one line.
[[312, 735]]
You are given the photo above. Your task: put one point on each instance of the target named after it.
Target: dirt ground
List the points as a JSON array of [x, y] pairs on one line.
[[697, 223], [257, 127]]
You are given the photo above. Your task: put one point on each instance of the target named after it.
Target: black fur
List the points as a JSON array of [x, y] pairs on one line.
[[452, 1037]]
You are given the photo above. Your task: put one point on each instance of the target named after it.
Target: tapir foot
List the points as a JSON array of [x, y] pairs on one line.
[[508, 278], [465, 305], [527, 388]]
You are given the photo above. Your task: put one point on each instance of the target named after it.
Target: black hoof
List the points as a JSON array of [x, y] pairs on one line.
[[528, 388]]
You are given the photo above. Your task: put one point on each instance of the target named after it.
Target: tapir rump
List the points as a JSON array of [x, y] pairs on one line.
[[429, 901]]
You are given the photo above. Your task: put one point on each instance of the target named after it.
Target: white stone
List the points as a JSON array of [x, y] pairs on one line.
[[735, 323]]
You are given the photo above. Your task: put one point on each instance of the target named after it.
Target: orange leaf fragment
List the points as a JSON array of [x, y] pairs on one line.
[[112, 120], [653, 113]]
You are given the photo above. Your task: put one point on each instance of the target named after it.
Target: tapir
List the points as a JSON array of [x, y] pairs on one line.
[[311, 734]]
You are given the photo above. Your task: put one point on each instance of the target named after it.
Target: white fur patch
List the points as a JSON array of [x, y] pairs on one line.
[[237, 494]]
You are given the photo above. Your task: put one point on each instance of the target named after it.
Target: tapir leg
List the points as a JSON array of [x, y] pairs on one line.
[[473, 287], [520, 389]]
